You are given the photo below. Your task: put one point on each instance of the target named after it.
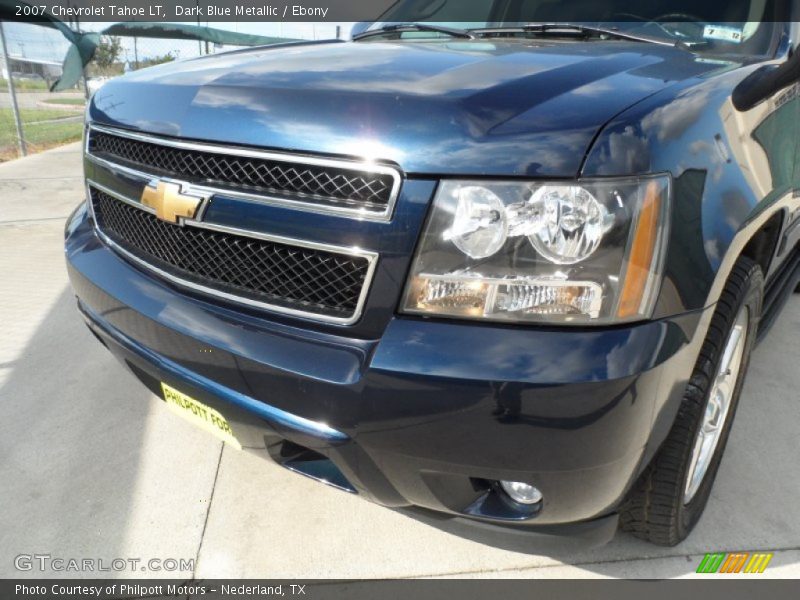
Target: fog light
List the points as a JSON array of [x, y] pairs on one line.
[[521, 492]]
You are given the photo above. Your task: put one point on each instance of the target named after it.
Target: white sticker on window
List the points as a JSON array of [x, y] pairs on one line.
[[723, 33]]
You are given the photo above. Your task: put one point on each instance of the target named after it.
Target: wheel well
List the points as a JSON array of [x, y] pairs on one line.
[[761, 247]]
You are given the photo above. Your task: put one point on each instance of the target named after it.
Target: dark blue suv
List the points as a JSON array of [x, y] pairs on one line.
[[507, 273]]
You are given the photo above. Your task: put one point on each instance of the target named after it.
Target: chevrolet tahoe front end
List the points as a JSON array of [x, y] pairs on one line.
[[471, 277]]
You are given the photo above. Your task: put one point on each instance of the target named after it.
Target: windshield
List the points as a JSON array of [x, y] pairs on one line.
[[716, 27]]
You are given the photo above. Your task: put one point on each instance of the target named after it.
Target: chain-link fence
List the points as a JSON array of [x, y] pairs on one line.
[[33, 119]]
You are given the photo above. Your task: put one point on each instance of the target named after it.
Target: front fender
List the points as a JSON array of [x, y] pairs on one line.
[[732, 172]]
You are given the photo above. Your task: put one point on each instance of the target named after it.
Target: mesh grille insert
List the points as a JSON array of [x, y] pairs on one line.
[[310, 280], [349, 188]]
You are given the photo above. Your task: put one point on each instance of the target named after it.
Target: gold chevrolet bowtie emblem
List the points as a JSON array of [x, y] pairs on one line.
[[169, 203]]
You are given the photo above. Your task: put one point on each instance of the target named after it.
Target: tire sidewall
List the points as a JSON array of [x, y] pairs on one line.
[[690, 513]]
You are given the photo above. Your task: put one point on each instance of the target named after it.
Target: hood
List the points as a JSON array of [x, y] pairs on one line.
[[517, 108]]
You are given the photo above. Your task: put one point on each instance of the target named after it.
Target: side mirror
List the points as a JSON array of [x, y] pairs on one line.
[[763, 82]]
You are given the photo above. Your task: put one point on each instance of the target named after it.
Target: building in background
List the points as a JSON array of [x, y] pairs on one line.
[[22, 67]]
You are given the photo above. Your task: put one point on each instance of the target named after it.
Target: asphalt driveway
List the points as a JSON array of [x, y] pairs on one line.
[[93, 466]]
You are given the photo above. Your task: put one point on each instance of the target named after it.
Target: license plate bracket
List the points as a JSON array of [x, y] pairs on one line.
[[199, 414]]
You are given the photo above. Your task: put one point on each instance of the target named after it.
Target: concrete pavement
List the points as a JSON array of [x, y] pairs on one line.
[[93, 466], [34, 99]]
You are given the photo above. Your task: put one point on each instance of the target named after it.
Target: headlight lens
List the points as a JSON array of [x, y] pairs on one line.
[[588, 251], [479, 226], [569, 223]]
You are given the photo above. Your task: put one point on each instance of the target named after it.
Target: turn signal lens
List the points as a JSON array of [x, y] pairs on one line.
[[471, 297], [548, 298], [468, 297], [639, 272]]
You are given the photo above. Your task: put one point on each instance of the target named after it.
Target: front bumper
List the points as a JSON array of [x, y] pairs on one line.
[[429, 415]]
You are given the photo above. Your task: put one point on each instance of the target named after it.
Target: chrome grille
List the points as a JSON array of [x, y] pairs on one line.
[[299, 179], [297, 278]]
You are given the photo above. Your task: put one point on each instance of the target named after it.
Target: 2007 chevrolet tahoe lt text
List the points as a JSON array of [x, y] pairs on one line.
[[509, 273]]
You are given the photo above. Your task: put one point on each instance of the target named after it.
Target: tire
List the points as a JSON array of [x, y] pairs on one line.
[[661, 507]]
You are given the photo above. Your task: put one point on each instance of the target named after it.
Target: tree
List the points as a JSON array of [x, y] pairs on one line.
[[157, 60], [107, 52]]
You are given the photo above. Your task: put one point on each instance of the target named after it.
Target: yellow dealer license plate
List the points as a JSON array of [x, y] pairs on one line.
[[198, 413]]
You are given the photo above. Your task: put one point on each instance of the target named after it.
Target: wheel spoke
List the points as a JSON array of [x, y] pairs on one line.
[[717, 406]]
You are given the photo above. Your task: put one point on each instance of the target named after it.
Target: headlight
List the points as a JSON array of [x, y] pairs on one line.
[[569, 223], [582, 252], [480, 225]]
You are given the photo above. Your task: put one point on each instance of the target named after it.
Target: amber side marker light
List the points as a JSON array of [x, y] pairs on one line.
[[643, 248]]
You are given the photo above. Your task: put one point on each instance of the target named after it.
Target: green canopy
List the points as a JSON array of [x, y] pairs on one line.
[[182, 31]]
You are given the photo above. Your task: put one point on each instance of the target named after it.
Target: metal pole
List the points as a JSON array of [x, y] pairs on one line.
[[199, 43], [12, 94], [77, 28], [86, 93]]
